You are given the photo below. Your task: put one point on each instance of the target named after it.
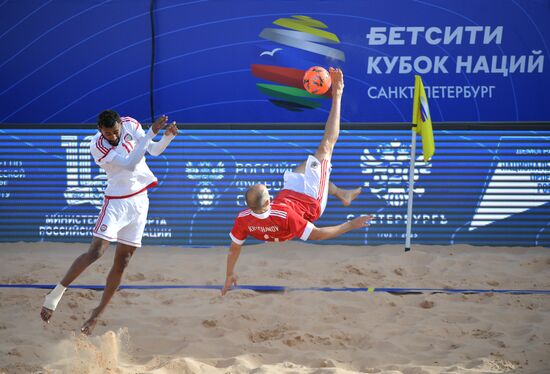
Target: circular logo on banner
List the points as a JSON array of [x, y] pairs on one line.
[[290, 43]]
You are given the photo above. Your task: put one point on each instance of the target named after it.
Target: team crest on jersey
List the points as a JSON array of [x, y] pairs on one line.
[[103, 227], [314, 164], [128, 137]]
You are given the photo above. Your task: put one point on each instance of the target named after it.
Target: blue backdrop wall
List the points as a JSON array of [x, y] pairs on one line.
[[65, 61], [240, 62], [481, 188]]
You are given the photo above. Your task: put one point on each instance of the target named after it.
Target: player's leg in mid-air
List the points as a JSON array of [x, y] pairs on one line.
[[96, 250], [123, 255]]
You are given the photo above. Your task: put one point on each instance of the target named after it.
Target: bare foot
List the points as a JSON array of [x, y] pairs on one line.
[[46, 314], [347, 196], [88, 326]]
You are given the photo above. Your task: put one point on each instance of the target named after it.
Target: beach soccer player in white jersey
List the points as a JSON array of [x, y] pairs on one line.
[[118, 148], [301, 201]]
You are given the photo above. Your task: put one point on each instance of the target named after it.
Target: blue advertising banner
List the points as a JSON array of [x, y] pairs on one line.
[[242, 61], [480, 188]]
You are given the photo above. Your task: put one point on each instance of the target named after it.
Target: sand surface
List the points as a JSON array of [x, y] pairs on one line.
[[198, 331]]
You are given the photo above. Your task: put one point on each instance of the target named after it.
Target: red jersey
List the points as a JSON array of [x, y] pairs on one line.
[[290, 216]]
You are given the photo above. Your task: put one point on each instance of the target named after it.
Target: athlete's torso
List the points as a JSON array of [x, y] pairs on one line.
[[120, 181]]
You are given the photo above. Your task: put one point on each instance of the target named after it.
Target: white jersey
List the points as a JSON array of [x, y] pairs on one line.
[[121, 182]]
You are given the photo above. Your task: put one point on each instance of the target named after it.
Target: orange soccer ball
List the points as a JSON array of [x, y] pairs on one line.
[[317, 80]]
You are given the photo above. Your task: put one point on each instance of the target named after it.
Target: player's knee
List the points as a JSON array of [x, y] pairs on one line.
[[96, 251]]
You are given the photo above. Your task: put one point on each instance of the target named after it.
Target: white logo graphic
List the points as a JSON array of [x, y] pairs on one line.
[[271, 53], [205, 194], [86, 182], [521, 180], [387, 168]]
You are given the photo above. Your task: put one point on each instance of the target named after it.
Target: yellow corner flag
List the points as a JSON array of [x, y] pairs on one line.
[[422, 121]]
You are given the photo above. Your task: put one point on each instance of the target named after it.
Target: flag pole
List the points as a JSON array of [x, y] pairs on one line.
[[411, 190], [421, 124]]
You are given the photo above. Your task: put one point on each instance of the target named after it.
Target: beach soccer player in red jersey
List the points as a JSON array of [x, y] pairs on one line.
[[301, 201]]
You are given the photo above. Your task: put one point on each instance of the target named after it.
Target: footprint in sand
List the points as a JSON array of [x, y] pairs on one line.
[[290, 274], [485, 334], [243, 294], [136, 277], [294, 341], [23, 279], [333, 281], [376, 275], [427, 304], [322, 340], [247, 317], [14, 352], [334, 340], [210, 323], [269, 334], [350, 269], [73, 304], [127, 294], [88, 295], [500, 344], [156, 278], [399, 271]]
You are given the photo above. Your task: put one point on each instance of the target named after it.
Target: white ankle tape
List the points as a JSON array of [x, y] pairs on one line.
[[53, 298]]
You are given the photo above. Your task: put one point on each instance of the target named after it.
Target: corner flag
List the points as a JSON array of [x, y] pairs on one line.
[[422, 121], [421, 124]]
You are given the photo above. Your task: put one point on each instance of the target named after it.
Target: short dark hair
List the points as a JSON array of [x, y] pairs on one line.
[[108, 118]]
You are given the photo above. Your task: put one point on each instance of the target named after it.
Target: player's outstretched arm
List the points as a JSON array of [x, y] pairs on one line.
[[170, 132], [130, 162], [232, 257], [329, 232]]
